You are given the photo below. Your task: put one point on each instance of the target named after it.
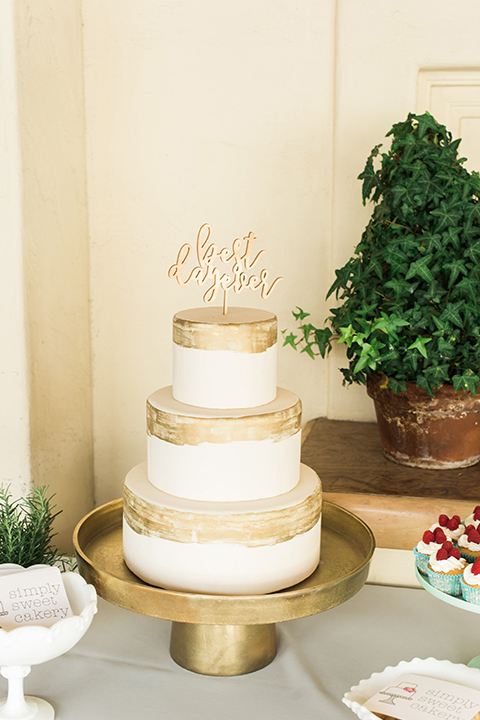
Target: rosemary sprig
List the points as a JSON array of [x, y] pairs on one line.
[[26, 528]]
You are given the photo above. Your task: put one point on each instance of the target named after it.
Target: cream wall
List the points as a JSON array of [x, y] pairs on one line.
[[126, 126], [214, 112], [45, 365], [14, 391]]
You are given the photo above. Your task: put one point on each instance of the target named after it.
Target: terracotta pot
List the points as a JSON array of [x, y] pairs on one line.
[[417, 430]]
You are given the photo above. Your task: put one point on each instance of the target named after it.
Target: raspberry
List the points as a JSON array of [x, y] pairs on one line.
[[476, 514], [440, 536], [453, 524], [443, 520], [457, 518], [468, 528], [474, 537], [455, 552], [442, 554], [476, 509], [428, 537], [448, 546], [476, 567]]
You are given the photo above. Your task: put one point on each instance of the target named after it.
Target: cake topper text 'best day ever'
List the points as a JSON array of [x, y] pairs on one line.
[[206, 273]]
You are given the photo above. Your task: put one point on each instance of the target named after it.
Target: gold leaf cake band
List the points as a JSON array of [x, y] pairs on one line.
[[241, 331], [181, 429], [251, 529]]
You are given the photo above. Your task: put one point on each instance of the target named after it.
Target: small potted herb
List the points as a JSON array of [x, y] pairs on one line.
[[409, 310], [26, 530]]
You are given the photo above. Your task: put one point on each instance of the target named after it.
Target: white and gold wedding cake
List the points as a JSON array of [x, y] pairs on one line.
[[223, 505]]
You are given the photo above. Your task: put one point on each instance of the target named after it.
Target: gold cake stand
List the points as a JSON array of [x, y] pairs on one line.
[[222, 634]]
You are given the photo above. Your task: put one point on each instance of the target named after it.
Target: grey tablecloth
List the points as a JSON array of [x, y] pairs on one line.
[[122, 670]]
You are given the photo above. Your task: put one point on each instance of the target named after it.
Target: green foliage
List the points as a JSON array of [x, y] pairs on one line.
[[26, 528], [410, 294]]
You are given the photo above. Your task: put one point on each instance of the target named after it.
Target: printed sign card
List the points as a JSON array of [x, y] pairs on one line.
[[414, 697], [32, 597]]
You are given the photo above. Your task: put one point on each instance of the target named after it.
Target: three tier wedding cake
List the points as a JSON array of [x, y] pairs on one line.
[[223, 504]]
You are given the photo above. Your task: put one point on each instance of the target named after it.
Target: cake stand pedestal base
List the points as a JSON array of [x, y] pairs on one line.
[[223, 649], [17, 706], [225, 635]]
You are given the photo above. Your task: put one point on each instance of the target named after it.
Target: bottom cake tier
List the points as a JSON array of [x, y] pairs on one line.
[[224, 548]]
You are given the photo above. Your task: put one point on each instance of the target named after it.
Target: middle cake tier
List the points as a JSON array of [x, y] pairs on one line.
[[224, 455]]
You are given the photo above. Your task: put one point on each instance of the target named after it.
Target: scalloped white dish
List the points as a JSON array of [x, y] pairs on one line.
[[440, 669], [29, 645]]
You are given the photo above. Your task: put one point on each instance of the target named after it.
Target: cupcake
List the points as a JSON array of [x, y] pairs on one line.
[[445, 568], [470, 583], [452, 527], [429, 544], [469, 544], [474, 518]]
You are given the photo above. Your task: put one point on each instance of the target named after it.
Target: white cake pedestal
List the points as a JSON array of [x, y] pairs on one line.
[[34, 644], [221, 634]]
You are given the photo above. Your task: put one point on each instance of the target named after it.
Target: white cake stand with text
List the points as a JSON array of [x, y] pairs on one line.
[[33, 644]]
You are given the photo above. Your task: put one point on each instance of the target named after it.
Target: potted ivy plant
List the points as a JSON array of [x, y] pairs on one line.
[[409, 312]]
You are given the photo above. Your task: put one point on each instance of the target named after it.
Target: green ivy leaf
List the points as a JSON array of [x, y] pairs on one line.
[[419, 344], [423, 383], [456, 268], [445, 348], [290, 340], [426, 122], [448, 215], [451, 314], [420, 268], [322, 338], [467, 381], [300, 315], [308, 349], [347, 336], [468, 288]]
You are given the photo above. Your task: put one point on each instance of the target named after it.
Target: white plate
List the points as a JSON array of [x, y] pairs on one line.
[[440, 669]]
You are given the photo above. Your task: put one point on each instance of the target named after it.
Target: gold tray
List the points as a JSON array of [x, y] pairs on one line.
[[225, 634]]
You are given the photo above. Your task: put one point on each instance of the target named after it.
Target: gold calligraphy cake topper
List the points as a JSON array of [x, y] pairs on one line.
[[206, 272]]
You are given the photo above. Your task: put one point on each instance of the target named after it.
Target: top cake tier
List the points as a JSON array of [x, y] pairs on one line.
[[224, 361]]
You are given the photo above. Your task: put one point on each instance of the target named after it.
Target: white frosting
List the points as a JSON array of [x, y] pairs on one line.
[[225, 472], [471, 521], [428, 549], [464, 543], [224, 379], [163, 400], [452, 534], [222, 568], [138, 483], [469, 577], [445, 566]]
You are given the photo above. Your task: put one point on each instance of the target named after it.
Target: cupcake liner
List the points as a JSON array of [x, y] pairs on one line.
[[470, 593], [449, 584], [421, 561], [470, 557]]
